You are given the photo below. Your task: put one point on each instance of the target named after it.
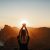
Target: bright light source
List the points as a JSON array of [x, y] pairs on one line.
[[23, 21]]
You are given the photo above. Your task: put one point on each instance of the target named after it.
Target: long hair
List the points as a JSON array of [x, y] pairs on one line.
[[23, 32]]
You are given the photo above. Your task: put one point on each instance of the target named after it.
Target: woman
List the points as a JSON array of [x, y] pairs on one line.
[[23, 38]]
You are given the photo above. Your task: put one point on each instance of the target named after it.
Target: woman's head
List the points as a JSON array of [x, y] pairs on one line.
[[23, 33]]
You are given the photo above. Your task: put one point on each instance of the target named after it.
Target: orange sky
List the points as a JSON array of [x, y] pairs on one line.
[[33, 13]]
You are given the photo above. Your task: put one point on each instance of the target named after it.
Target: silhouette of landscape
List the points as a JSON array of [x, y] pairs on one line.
[[39, 38]]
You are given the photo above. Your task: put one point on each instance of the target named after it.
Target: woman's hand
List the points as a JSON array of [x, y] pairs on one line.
[[24, 25]]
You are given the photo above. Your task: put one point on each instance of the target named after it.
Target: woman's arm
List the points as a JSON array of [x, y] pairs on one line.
[[26, 30], [20, 30], [19, 33]]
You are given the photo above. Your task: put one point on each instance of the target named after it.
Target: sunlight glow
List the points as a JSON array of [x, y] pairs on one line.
[[23, 21]]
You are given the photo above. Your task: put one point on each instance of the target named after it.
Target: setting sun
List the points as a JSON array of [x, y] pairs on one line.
[[23, 21]]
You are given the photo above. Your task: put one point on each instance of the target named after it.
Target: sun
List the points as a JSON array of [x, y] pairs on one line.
[[23, 21]]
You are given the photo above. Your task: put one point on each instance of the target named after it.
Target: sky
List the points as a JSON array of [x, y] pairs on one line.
[[35, 13]]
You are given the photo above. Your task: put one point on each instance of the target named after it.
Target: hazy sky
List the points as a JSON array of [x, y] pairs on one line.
[[35, 12]]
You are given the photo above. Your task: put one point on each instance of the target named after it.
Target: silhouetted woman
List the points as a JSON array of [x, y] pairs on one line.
[[23, 38]]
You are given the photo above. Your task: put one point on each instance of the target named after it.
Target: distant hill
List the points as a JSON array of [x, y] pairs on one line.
[[0, 28], [39, 37], [8, 32]]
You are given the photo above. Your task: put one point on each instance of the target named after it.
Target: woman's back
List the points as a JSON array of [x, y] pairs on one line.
[[23, 39]]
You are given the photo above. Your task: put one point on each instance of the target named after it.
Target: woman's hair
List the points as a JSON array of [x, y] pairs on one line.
[[23, 32]]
